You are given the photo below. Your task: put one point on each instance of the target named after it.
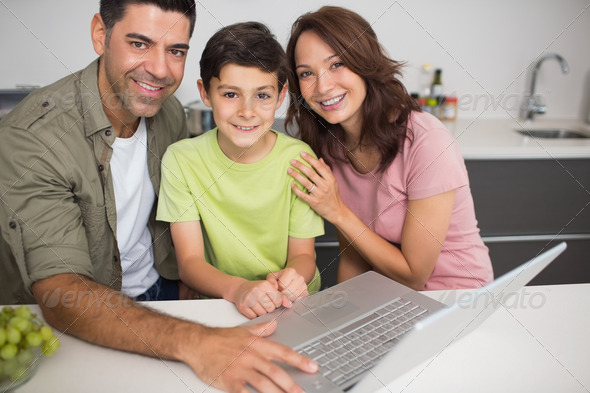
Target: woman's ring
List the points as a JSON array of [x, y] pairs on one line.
[[311, 189]]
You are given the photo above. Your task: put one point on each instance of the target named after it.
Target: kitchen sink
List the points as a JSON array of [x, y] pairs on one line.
[[554, 133]]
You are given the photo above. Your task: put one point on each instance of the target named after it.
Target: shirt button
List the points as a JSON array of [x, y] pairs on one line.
[[45, 104], [116, 259], [12, 225], [108, 132], [101, 168]]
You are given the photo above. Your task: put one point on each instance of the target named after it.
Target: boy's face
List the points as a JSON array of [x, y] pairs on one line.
[[244, 101]]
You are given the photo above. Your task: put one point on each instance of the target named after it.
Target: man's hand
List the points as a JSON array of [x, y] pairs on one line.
[[227, 358], [231, 358]]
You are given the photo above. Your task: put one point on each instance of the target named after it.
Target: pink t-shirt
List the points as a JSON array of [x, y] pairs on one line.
[[429, 164]]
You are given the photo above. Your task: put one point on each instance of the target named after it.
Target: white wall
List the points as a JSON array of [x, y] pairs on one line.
[[483, 47]]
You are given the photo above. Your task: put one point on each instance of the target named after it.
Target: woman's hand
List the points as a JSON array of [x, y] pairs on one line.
[[323, 195]]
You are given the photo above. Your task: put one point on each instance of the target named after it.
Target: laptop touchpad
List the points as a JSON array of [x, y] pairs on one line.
[[325, 309]]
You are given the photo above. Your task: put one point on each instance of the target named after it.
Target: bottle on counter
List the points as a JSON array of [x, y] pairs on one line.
[[432, 107], [425, 80], [436, 89], [422, 104], [449, 108]]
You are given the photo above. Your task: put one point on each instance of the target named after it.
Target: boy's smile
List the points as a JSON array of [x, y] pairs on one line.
[[244, 101]]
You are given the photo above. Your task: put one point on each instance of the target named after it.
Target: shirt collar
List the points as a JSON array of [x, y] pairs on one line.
[[93, 115]]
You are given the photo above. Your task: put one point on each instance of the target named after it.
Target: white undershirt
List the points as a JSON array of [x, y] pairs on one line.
[[134, 197]]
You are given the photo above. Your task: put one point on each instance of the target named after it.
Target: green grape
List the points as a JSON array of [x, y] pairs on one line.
[[8, 351], [22, 335], [24, 357], [35, 325], [13, 336], [50, 346], [7, 310], [46, 332], [23, 312], [18, 374], [23, 325], [9, 366], [34, 339]]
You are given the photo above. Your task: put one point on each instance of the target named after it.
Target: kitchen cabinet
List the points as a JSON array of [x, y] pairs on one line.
[[327, 255], [523, 207]]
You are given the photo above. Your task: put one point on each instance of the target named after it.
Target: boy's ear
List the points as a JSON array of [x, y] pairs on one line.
[[282, 95], [203, 93]]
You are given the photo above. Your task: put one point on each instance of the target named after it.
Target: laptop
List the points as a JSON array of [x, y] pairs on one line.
[[400, 326]]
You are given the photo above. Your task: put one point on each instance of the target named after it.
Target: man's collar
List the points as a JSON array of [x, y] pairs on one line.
[[93, 115]]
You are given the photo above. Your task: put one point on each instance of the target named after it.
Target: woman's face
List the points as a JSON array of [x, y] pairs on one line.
[[330, 88]]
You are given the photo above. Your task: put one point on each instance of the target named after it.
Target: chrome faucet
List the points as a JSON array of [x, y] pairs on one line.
[[533, 104]]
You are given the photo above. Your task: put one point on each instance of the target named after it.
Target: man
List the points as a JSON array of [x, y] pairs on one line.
[[80, 166]]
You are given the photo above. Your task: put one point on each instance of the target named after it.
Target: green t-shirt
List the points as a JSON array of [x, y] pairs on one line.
[[247, 211]]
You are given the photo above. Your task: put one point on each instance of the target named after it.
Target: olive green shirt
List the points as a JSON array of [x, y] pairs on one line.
[[57, 202]]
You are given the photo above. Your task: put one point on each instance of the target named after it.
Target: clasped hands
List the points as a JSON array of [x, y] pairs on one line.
[[282, 288]]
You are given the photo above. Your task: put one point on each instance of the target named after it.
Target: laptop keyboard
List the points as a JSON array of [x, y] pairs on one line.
[[347, 353]]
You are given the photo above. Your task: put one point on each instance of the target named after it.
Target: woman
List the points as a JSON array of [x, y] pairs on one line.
[[392, 180]]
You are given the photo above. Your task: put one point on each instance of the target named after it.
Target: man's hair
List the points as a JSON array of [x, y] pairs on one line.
[[112, 11], [247, 44]]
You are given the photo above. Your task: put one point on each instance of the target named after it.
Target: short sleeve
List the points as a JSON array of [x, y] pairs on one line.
[[433, 164], [176, 202], [40, 216], [304, 222]]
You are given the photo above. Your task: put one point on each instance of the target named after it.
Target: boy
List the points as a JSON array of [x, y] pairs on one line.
[[239, 231]]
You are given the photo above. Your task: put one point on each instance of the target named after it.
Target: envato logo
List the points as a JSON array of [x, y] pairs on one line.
[[526, 298], [112, 101], [85, 299], [479, 102], [465, 102], [334, 299], [118, 101]]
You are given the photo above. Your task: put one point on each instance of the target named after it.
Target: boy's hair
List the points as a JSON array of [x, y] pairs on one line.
[[112, 11], [248, 44]]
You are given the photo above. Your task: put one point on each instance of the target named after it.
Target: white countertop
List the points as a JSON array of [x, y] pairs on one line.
[[483, 139], [537, 343]]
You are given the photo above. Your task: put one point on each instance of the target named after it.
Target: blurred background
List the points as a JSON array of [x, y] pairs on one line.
[[483, 48]]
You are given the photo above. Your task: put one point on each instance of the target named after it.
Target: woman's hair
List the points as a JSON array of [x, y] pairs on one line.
[[387, 106]]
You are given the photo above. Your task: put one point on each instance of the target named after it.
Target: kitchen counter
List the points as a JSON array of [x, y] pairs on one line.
[[537, 342], [484, 139]]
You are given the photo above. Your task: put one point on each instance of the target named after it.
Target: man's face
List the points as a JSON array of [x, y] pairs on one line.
[[142, 64]]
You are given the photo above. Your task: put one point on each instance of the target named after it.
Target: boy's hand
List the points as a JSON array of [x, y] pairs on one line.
[[291, 284], [255, 298]]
